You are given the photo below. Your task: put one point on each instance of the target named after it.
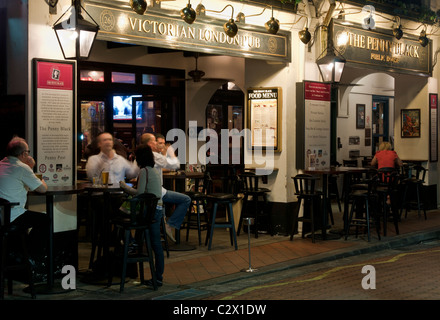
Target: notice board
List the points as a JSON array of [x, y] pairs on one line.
[[54, 83], [313, 123]]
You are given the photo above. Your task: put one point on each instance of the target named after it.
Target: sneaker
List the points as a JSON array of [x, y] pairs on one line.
[[150, 283], [169, 232]]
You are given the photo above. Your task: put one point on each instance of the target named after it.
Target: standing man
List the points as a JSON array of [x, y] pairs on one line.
[[16, 178], [166, 159], [119, 168]]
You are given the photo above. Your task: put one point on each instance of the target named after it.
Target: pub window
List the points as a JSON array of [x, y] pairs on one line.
[[123, 77], [153, 79], [92, 75]]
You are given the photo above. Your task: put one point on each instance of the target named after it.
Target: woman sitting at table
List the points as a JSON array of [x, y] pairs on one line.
[[149, 181], [385, 157]]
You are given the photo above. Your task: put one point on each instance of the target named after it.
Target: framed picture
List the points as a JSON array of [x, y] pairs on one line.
[[360, 116], [410, 121]]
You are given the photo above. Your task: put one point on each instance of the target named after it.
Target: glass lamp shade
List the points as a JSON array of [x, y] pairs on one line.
[[305, 36], [331, 67], [76, 38], [139, 6], [423, 40], [272, 26], [188, 14], [230, 28]]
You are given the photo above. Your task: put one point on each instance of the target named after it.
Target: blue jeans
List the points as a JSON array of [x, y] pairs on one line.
[[182, 202], [156, 244]]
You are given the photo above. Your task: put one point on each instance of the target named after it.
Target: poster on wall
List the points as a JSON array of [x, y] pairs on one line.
[[54, 121], [317, 125], [433, 127], [264, 107]]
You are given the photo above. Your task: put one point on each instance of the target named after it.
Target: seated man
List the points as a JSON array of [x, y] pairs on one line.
[[119, 168], [168, 161], [16, 178]]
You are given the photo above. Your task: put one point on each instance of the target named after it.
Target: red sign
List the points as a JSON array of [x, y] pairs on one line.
[[53, 75], [317, 91]]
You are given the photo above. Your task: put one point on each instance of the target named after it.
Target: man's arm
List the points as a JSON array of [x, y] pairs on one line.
[[162, 161], [93, 167], [42, 188]]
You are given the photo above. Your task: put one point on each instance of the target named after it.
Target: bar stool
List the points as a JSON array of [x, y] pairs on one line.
[[415, 180], [249, 182], [222, 199], [142, 210], [198, 209], [362, 202], [8, 235], [388, 189], [305, 190]]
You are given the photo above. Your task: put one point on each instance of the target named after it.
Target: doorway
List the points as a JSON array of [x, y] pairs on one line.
[[380, 122]]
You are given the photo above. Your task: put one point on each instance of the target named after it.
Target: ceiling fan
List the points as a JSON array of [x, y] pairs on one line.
[[197, 75]]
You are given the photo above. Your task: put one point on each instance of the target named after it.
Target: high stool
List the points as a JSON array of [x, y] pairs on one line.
[[8, 233], [362, 202], [415, 180], [250, 189], [222, 199], [198, 207], [305, 190], [388, 189], [142, 210]]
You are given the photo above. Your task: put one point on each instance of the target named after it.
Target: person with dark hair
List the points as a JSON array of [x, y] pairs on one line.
[[16, 178], [180, 200], [149, 181]]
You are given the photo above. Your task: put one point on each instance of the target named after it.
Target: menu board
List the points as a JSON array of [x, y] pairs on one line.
[[264, 110], [54, 121], [316, 125]]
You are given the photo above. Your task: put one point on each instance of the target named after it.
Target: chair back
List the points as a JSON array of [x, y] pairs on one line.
[[419, 173], [142, 208], [350, 163], [388, 177], [305, 184], [5, 217], [249, 181]]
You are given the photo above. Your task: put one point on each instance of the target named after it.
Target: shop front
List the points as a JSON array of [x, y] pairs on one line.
[[137, 79]]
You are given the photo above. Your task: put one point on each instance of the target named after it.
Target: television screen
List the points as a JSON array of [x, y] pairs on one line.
[[122, 108]]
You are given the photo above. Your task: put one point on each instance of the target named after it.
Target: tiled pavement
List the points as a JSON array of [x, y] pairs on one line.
[[189, 273]]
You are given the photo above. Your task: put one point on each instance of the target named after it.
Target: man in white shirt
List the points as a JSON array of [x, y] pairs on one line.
[[16, 179], [168, 161], [119, 168]]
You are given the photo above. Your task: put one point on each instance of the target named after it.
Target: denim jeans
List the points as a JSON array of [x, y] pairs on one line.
[[182, 202], [156, 244]]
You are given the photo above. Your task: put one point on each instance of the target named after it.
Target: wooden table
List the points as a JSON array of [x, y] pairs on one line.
[[51, 192], [324, 173]]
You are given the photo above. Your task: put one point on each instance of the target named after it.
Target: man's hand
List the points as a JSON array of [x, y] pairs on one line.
[[29, 161]]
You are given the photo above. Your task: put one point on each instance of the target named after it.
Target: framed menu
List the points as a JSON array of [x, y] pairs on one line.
[[433, 127], [264, 111], [54, 123]]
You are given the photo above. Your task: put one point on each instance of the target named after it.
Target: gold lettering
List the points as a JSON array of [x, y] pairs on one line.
[[144, 26]]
